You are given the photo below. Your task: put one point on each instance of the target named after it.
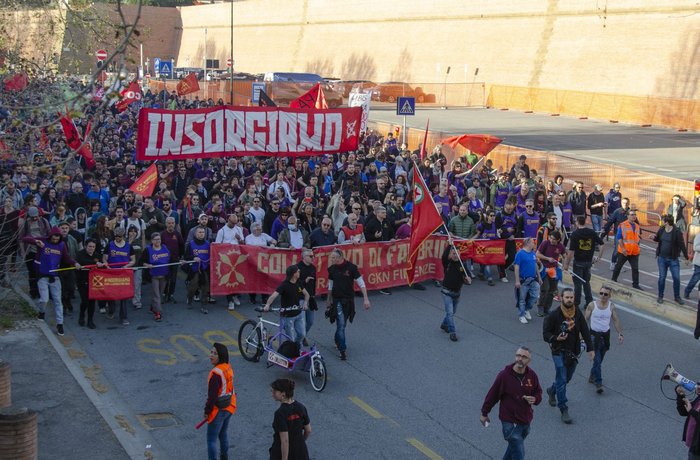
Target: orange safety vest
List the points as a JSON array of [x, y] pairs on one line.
[[630, 239], [225, 373]]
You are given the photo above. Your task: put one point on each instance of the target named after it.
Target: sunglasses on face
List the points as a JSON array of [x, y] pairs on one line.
[[604, 294]]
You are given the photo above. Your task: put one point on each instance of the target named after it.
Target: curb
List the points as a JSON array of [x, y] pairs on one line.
[[136, 441], [642, 301]]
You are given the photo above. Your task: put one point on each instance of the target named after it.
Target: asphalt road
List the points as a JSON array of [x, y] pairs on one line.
[[406, 391], [661, 151]]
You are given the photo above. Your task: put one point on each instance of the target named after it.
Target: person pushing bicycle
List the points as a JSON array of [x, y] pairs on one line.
[[290, 293]]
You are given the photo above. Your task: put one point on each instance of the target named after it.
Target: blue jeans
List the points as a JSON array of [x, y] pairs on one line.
[[218, 428], [52, 291], [515, 434], [297, 324], [597, 222], [340, 327], [528, 286], [310, 316], [450, 309], [562, 377], [599, 346], [693, 280], [613, 258], [664, 264]]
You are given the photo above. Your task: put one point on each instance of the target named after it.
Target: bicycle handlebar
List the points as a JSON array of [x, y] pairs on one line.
[[280, 309]]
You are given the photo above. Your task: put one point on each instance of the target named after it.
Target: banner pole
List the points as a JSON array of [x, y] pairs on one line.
[[452, 243]]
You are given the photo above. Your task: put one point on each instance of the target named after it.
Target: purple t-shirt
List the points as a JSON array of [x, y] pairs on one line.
[[691, 426]]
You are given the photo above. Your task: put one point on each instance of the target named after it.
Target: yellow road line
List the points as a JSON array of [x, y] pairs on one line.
[[365, 407], [237, 315], [424, 449]]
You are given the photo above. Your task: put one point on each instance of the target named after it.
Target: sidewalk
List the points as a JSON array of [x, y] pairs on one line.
[[69, 424]]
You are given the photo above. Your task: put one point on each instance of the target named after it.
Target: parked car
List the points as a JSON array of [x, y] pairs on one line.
[[392, 90], [347, 86], [284, 87], [219, 75]]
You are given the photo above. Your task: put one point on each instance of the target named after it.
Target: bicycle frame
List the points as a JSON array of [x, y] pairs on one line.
[[275, 358]]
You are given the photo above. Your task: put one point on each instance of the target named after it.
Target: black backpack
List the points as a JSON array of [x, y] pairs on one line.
[[289, 349]]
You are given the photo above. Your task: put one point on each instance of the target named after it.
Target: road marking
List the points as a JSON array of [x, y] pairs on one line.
[[237, 315], [365, 407], [653, 319], [424, 449]]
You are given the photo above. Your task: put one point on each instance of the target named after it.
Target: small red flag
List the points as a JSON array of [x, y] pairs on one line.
[[17, 82], [110, 284], [425, 219], [75, 142], [146, 184], [188, 85], [313, 99], [131, 94], [480, 144], [423, 147]]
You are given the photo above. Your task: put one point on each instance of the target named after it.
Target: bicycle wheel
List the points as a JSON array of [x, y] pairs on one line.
[[250, 341], [318, 374]]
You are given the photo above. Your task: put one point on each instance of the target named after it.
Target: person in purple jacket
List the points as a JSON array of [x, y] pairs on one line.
[[51, 252], [517, 388], [156, 257]]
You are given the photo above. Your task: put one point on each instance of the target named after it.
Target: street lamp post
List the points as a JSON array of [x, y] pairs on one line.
[[231, 68]]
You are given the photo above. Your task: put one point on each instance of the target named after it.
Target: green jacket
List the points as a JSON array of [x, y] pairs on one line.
[[463, 228]]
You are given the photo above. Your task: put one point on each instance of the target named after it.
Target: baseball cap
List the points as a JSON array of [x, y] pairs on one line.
[[33, 211]]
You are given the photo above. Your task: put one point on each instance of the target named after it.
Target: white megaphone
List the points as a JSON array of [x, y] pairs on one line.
[[671, 374]]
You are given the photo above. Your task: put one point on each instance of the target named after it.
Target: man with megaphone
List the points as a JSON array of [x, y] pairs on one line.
[[691, 410]]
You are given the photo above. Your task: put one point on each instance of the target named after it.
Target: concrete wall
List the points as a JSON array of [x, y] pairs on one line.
[[635, 47]]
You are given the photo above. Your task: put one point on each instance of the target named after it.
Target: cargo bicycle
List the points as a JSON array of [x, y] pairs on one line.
[[253, 341]]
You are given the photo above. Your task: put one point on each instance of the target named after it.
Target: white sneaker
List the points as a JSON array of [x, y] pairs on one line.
[[237, 301], [522, 319], [504, 280], [232, 305], [528, 316]]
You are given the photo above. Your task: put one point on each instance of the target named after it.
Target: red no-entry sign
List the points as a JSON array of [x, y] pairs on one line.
[[229, 62], [101, 55]]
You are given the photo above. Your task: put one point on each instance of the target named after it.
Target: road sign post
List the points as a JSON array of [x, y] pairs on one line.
[[405, 106]]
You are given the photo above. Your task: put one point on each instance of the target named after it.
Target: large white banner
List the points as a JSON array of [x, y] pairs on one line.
[[358, 99]]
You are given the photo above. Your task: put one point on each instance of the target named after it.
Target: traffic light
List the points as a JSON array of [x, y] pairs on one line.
[[696, 193]]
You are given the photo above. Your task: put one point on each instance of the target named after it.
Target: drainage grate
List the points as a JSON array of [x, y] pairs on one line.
[[156, 420]]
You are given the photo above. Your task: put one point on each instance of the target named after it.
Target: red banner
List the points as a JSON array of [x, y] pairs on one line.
[[241, 131], [485, 252], [254, 269], [313, 99], [110, 284]]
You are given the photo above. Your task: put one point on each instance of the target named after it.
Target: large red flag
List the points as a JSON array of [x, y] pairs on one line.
[[480, 144], [314, 98], [146, 184], [188, 85], [425, 219], [110, 284], [75, 142], [129, 95]]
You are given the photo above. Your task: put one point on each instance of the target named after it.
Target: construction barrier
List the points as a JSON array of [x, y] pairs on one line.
[[682, 114]]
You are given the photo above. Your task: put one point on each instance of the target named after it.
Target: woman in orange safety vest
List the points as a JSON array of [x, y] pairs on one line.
[[221, 401]]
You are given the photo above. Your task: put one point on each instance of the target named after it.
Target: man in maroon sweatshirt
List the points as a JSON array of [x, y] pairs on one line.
[[517, 388]]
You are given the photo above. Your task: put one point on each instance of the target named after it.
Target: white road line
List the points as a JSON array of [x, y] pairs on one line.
[[654, 319]]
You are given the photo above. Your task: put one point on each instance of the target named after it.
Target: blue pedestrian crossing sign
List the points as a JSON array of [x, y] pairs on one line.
[[406, 106], [156, 65], [166, 69]]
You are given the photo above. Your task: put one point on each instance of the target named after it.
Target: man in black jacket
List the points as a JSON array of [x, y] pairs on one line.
[[455, 278], [563, 329], [690, 410], [670, 246]]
